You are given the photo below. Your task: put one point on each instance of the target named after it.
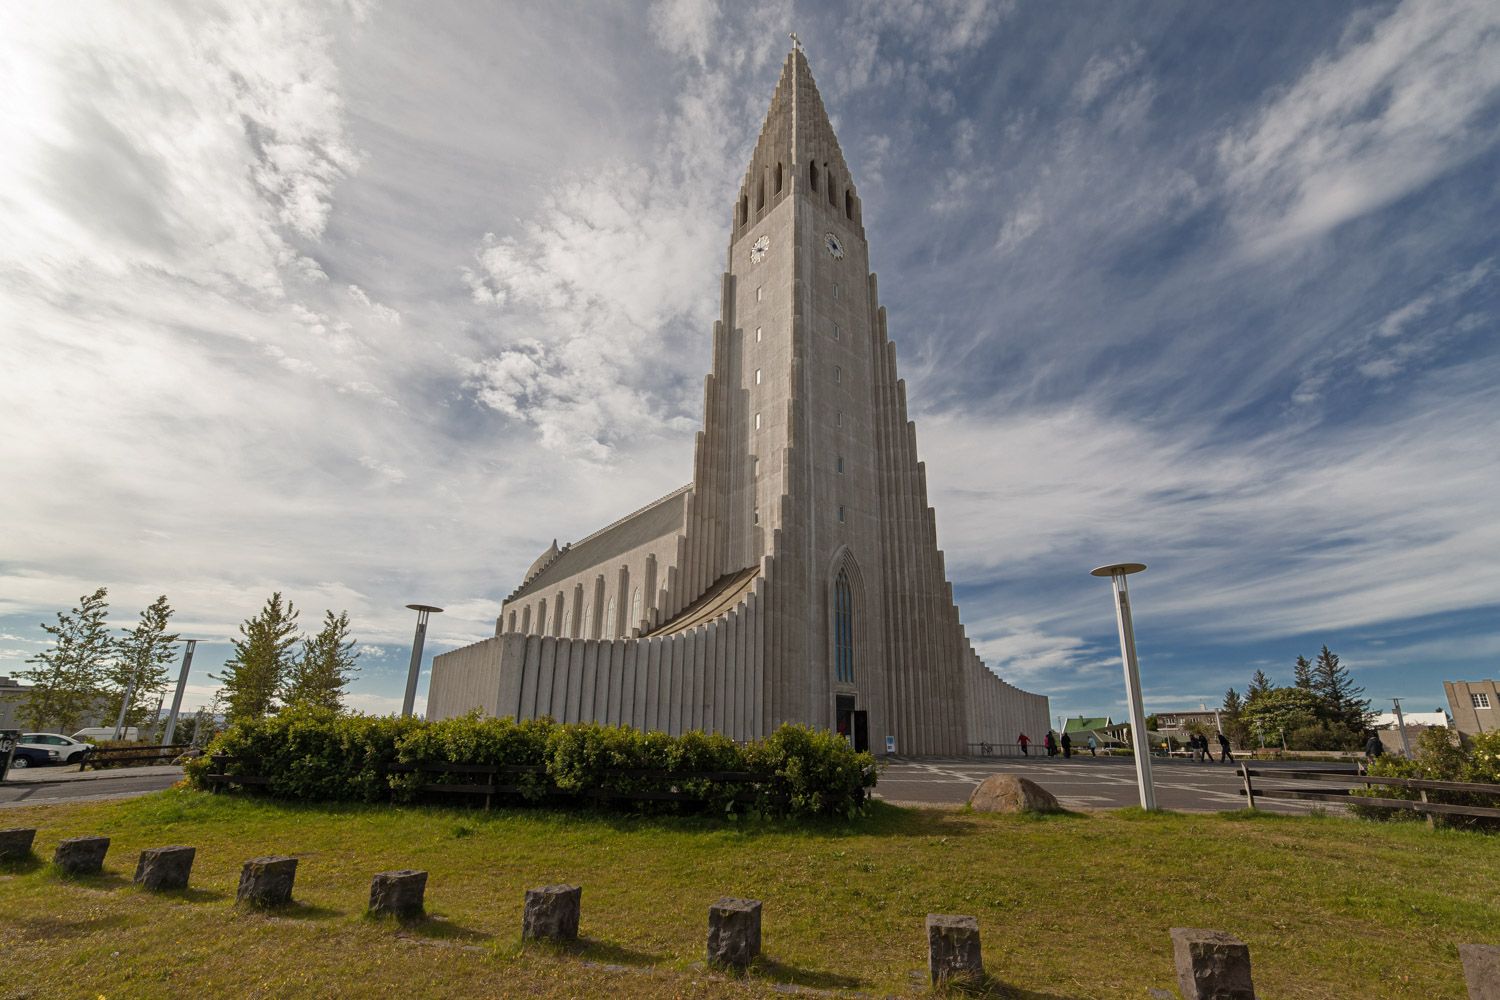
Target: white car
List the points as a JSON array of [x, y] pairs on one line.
[[62, 749]]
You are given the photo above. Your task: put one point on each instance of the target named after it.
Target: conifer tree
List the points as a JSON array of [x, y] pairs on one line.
[[254, 675], [66, 681], [139, 670], [1259, 685], [319, 675], [1341, 698], [1304, 673]]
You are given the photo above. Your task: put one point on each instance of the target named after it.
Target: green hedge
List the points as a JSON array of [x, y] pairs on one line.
[[1439, 758], [321, 756]]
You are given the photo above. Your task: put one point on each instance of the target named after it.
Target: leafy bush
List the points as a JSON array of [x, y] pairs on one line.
[[318, 755], [1439, 758]]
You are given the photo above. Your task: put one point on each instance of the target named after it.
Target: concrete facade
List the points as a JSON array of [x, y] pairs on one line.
[[1474, 705], [797, 578]]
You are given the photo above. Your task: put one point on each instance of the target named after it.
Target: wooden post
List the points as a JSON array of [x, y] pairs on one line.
[[1249, 789]]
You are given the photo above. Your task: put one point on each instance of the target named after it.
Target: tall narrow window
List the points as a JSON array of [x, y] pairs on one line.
[[778, 179], [757, 334], [541, 618], [759, 289], [636, 611], [757, 421], [512, 627], [760, 195], [838, 374], [838, 334], [835, 291], [526, 620], [841, 513], [744, 209], [848, 205], [755, 516], [843, 629], [838, 419], [757, 376], [609, 620], [812, 175], [840, 465], [832, 198]]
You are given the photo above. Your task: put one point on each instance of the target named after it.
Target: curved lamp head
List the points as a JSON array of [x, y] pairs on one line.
[[425, 607], [1117, 569]]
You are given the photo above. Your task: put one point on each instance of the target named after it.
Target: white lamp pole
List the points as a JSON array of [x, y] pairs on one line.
[[409, 702], [1117, 574]]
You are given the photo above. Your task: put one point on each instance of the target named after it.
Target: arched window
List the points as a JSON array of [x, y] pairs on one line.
[[586, 624], [843, 629], [760, 194], [635, 610], [777, 189], [848, 205], [609, 620], [832, 187], [812, 175]]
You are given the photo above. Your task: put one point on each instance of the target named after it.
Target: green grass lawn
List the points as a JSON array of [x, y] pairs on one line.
[[1069, 906]]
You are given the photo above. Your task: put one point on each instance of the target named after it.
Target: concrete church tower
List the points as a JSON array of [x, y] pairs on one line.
[[797, 578]]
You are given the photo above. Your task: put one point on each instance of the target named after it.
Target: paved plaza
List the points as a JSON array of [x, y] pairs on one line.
[[1082, 782], [43, 785]]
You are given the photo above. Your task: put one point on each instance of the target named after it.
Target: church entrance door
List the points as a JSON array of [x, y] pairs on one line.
[[861, 731]]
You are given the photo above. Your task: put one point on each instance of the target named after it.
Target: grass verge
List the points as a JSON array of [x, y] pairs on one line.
[[1069, 906]]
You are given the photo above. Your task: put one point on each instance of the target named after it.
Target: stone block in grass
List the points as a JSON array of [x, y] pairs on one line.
[[267, 882], [81, 855], [733, 932], [398, 894], [165, 869], [551, 913], [1211, 965], [1481, 970], [953, 948], [15, 844]]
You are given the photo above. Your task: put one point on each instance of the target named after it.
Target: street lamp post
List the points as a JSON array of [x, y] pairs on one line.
[[422, 610], [1401, 725], [187, 663], [1117, 574]]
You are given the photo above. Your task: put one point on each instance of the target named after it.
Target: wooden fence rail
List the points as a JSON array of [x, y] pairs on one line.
[[127, 756], [1354, 779]]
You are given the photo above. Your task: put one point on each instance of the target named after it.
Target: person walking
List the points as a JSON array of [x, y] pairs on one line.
[[1050, 741], [1067, 745], [1093, 745], [1223, 748], [1024, 741], [1200, 746], [1373, 749]]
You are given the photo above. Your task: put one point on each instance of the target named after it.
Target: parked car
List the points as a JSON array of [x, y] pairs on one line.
[[130, 735], [70, 750], [27, 755]]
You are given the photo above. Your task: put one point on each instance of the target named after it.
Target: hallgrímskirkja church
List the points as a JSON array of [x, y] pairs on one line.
[[797, 578]]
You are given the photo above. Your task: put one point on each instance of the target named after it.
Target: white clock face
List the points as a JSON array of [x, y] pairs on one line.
[[835, 248], [758, 249]]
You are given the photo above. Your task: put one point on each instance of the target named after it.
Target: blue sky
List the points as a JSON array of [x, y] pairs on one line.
[[368, 302]]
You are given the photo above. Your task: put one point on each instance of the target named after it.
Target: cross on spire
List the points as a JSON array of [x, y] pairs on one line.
[[796, 42]]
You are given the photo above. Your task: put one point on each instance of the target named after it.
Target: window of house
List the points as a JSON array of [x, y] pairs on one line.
[[757, 421], [1480, 700], [838, 374], [838, 334], [841, 513], [757, 334], [848, 205], [755, 515], [757, 376], [838, 419], [835, 291], [843, 629], [778, 178], [840, 465], [812, 175], [758, 292]]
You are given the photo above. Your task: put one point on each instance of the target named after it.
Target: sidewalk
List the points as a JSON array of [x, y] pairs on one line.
[[69, 774]]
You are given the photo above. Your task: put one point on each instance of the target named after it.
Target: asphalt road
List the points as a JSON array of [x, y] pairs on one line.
[[1083, 782], [42, 785]]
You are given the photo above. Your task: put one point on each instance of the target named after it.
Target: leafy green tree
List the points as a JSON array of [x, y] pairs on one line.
[[1231, 714], [1343, 704], [1280, 711], [319, 675], [254, 675], [1304, 673], [67, 677], [139, 669]]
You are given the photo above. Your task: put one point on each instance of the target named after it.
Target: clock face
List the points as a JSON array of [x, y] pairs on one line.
[[835, 248], [758, 249]]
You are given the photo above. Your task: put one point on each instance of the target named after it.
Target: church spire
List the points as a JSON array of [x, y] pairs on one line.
[[797, 151]]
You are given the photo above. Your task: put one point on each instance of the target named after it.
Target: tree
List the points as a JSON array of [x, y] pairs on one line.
[[139, 669], [1341, 698], [319, 675], [254, 675], [1232, 717], [1279, 711], [1259, 685], [67, 677], [1304, 673]]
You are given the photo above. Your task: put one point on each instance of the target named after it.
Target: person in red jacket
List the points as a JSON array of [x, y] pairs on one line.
[[1025, 742]]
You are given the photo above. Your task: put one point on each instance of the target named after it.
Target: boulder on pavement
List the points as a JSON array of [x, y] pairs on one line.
[[1009, 793]]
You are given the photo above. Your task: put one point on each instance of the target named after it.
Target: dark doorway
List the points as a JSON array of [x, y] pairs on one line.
[[861, 731], [843, 715]]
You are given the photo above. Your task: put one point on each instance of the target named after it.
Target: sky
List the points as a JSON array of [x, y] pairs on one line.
[[367, 302]]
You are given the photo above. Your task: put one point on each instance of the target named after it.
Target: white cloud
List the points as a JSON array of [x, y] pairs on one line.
[[1392, 109]]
